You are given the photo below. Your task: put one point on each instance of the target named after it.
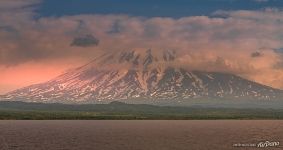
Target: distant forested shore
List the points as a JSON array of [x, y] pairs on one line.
[[122, 111]]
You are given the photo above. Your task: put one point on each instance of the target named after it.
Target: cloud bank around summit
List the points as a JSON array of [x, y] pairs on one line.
[[243, 42]]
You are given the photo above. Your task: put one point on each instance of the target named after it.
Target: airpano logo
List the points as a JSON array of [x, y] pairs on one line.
[[263, 144], [268, 144]]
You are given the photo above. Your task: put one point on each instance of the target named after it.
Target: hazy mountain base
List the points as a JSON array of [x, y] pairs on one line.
[[211, 103], [122, 111], [194, 102]]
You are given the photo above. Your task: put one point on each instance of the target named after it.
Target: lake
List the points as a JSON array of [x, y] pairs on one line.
[[139, 135]]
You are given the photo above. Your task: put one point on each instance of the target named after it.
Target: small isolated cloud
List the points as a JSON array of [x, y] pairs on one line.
[[85, 41], [256, 54], [17, 4]]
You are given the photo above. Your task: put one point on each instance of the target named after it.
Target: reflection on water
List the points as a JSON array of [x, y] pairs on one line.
[[137, 135]]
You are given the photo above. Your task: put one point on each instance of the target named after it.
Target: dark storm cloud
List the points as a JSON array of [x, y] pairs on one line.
[[9, 29], [85, 41], [256, 54]]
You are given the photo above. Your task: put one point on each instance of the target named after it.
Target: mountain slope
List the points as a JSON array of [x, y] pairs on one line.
[[141, 75]]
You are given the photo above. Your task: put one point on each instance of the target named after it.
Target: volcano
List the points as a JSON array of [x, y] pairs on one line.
[[141, 76]]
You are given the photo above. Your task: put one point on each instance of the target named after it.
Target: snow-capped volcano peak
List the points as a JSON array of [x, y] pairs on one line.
[[142, 59], [141, 75]]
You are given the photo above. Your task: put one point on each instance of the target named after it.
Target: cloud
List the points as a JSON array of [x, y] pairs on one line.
[[228, 42], [256, 54], [8, 5], [85, 41]]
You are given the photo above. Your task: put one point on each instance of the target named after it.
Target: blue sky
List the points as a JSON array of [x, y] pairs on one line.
[[150, 8]]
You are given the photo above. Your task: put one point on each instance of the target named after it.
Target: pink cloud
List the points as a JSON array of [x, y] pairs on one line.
[[224, 42]]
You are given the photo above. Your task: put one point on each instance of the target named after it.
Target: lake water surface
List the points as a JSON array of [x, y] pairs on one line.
[[138, 135]]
